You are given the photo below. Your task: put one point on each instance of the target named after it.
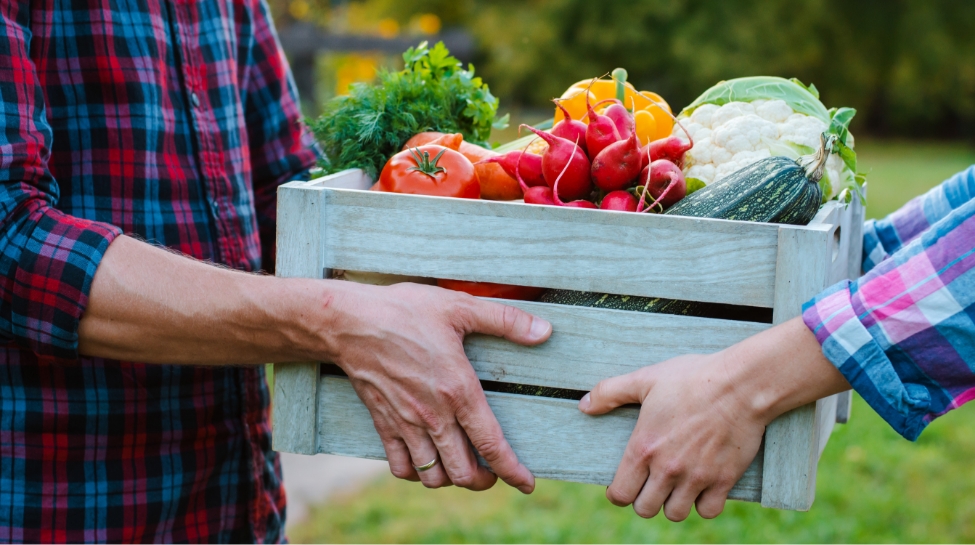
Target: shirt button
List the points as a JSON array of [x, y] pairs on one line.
[[215, 205], [195, 99]]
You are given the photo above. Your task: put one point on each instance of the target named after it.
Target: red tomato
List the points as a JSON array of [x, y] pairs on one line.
[[430, 170], [488, 289]]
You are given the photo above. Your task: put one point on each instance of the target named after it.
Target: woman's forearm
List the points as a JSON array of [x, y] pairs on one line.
[[780, 369]]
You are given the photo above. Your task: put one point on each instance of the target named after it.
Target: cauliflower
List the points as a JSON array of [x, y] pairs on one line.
[[735, 135]]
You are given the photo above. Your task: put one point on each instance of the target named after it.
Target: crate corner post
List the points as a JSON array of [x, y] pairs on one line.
[[300, 254], [794, 440]]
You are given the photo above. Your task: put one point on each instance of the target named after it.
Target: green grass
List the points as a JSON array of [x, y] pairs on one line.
[[873, 485]]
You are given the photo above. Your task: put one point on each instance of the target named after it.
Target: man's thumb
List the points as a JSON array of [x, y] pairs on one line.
[[612, 393], [510, 323]]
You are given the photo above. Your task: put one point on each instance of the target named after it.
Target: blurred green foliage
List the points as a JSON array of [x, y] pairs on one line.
[[908, 66]]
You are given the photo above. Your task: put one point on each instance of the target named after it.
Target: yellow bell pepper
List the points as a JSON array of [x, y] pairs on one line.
[[652, 122]]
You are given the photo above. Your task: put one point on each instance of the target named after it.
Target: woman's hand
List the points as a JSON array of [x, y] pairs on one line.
[[703, 417]]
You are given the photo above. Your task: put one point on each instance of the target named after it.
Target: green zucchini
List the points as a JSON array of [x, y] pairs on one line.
[[773, 190]]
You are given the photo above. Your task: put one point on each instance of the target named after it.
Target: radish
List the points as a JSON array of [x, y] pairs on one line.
[[601, 131], [565, 155], [665, 182], [623, 201], [622, 118], [555, 193], [671, 148], [531, 166], [539, 194], [618, 164], [570, 129]]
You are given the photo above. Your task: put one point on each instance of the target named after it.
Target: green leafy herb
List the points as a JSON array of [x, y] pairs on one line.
[[432, 93]]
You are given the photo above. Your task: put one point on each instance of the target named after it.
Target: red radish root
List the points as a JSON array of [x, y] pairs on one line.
[[671, 148], [622, 201], [617, 166], [570, 129], [530, 169], [567, 156], [622, 118], [601, 131], [665, 182]]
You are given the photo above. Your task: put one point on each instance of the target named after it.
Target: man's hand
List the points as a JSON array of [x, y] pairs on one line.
[[402, 346], [703, 417]]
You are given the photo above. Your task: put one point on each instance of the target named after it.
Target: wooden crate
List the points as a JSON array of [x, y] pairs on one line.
[[330, 223]]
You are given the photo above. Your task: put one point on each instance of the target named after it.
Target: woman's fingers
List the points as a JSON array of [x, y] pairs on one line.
[[711, 502], [652, 496], [617, 391]]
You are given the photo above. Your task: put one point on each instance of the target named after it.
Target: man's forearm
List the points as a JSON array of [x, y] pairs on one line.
[[781, 369], [147, 304]]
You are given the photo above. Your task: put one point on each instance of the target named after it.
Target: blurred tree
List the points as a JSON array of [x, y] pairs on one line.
[[908, 66]]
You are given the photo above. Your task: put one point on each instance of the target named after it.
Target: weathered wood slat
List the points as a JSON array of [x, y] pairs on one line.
[[591, 344], [792, 440], [300, 253], [513, 243], [550, 436]]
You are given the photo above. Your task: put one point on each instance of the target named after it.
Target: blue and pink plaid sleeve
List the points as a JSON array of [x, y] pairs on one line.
[[47, 258], [903, 334]]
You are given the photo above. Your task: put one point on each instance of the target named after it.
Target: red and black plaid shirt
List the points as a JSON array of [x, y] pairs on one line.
[[175, 121]]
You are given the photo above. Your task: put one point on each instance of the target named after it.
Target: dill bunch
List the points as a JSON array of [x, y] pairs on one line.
[[432, 93]]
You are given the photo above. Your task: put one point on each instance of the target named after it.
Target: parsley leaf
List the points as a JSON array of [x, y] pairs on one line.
[[432, 93]]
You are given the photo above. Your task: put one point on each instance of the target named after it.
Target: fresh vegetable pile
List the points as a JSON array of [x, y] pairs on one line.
[[751, 149]]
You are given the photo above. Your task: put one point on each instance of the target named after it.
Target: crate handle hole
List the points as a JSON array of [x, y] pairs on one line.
[[836, 242]]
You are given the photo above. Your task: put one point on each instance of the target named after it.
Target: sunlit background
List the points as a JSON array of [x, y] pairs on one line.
[[907, 66]]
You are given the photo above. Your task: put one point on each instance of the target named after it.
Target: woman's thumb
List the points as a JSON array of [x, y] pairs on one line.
[[615, 392]]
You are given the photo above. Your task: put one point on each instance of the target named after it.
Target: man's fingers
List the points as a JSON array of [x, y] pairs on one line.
[[459, 461], [399, 459], [422, 452], [508, 322], [485, 434], [616, 391]]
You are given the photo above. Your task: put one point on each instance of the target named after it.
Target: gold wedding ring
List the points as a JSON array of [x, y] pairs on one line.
[[426, 466]]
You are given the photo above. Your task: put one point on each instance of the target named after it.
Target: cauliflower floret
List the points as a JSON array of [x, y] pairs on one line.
[[702, 134], [702, 115], [802, 129], [746, 158], [705, 173], [730, 111], [700, 153], [776, 111], [692, 128], [720, 155], [743, 133], [725, 169]]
